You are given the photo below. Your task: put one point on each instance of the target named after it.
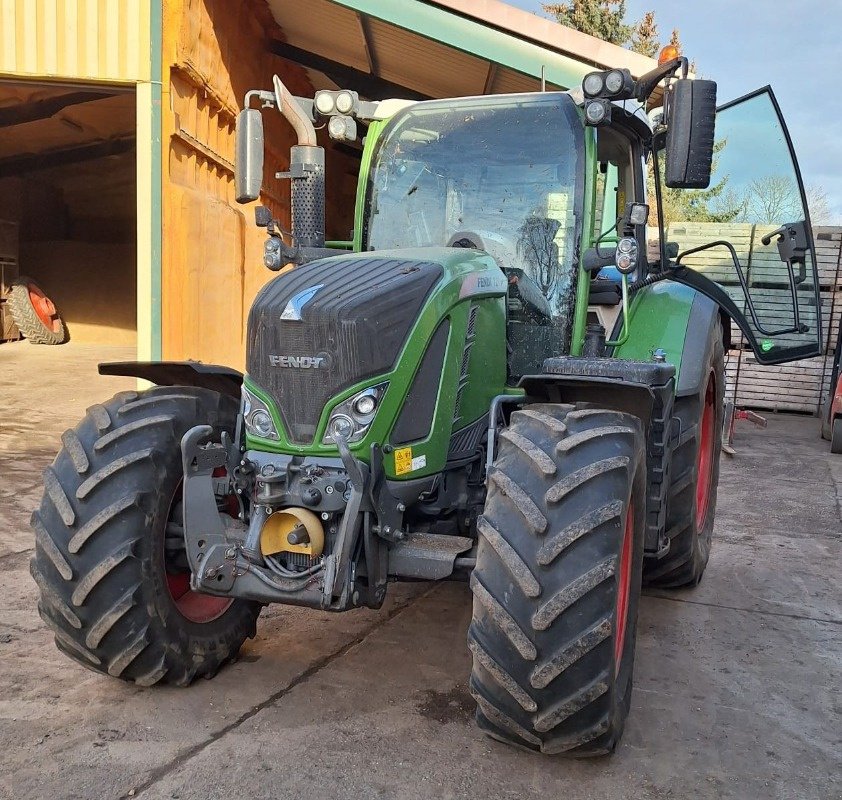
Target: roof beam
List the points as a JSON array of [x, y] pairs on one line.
[[368, 85], [22, 113], [34, 162], [489, 78], [370, 54]]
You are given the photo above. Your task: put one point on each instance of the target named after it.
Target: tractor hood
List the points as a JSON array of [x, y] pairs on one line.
[[327, 325]]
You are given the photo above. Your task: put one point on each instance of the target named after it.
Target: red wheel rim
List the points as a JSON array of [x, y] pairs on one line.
[[43, 307], [194, 606], [624, 586], [704, 470]]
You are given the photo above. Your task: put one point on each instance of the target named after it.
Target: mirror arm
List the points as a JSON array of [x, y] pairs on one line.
[[645, 84], [266, 98]]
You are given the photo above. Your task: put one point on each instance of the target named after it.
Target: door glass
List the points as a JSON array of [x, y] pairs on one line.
[[753, 213]]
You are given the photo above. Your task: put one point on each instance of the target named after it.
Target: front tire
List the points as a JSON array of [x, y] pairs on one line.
[[104, 562], [557, 581]]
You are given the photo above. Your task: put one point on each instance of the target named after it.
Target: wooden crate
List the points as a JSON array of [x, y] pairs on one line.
[[765, 271], [797, 386], [828, 242]]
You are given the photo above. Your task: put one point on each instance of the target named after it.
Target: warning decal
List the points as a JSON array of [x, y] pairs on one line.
[[403, 460]]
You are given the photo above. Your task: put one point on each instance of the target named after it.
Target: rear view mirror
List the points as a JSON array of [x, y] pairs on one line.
[[689, 145], [248, 171]]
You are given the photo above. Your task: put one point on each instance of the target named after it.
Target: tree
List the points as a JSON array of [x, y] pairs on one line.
[[819, 205], [605, 19], [644, 38], [600, 18], [717, 203], [775, 199]]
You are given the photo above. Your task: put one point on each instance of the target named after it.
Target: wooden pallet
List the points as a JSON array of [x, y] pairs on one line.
[[797, 386]]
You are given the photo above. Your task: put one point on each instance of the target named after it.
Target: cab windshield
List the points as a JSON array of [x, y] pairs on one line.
[[500, 173]]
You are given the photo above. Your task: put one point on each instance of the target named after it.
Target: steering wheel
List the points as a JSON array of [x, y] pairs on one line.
[[522, 287]]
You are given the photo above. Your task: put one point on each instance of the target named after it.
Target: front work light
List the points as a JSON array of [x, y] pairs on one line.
[[342, 102], [619, 84], [638, 213], [325, 103], [593, 84], [597, 112], [615, 84]]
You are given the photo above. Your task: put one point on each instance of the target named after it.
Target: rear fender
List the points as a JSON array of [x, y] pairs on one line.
[[180, 373]]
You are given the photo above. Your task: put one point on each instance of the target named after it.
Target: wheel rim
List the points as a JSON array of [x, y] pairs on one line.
[[194, 606], [624, 586], [44, 308], [704, 465]]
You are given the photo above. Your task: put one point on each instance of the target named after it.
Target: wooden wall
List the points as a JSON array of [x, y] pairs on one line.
[[214, 52]]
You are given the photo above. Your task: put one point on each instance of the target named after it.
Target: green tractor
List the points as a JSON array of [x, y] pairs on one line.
[[498, 381]]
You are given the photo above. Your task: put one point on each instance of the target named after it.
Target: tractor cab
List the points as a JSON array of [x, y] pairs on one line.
[[543, 183], [498, 174]]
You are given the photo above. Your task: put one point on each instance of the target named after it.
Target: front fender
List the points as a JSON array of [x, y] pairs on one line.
[[179, 373], [676, 319]]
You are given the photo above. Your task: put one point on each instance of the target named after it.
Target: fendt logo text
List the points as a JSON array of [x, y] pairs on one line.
[[299, 362]]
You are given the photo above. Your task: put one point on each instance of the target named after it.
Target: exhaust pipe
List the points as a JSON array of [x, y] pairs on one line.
[[306, 173]]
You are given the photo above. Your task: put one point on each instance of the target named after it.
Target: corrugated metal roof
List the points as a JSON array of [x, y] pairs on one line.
[[324, 28], [446, 48], [424, 65]]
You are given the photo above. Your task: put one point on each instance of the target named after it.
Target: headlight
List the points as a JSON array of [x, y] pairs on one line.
[[272, 254], [257, 416], [352, 418], [597, 112], [365, 404]]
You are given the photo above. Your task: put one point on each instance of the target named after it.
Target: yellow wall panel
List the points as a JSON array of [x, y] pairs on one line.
[[81, 40]]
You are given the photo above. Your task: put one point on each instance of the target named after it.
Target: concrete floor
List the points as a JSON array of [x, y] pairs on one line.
[[737, 683]]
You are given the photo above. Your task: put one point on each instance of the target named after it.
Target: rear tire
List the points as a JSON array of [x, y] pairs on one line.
[[100, 535], [557, 581], [694, 476], [34, 314], [836, 436]]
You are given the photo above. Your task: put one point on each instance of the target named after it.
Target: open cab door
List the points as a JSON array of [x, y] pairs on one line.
[[746, 240]]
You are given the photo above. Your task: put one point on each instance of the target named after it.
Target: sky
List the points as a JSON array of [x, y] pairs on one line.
[[746, 44]]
